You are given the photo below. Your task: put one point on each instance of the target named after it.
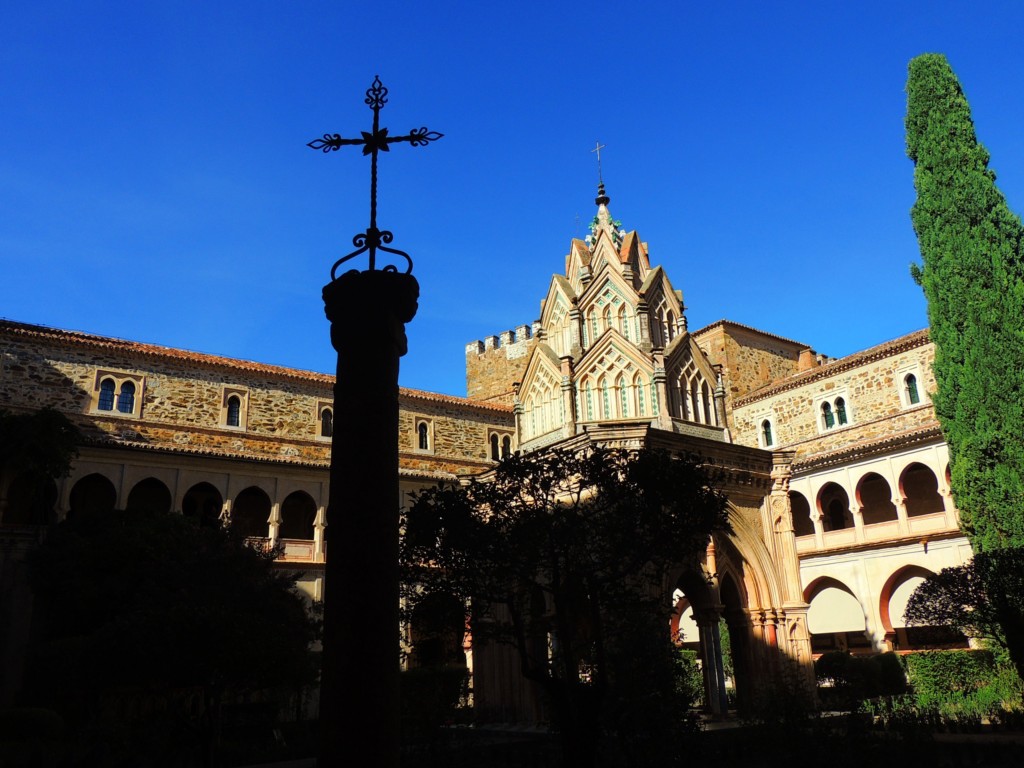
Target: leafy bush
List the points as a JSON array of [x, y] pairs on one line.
[[689, 678], [848, 680], [936, 675]]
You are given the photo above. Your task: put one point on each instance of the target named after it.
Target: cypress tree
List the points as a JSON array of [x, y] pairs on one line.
[[972, 278]]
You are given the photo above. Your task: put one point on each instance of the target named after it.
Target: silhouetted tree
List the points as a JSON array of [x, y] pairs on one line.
[[37, 448], [565, 555], [984, 598], [144, 602], [972, 277]]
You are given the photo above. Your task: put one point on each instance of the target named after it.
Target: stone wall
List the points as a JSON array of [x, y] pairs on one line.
[[183, 395], [872, 385], [495, 363], [750, 359]]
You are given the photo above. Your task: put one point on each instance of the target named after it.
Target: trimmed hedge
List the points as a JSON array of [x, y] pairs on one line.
[[937, 674]]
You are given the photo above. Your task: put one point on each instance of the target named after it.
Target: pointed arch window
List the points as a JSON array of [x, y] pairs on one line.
[[106, 400], [840, 411], [506, 447], [766, 433], [640, 405], [705, 400], [670, 326], [624, 323], [590, 402], [606, 403], [607, 318], [694, 401], [495, 454], [827, 417], [593, 326], [913, 396], [623, 397], [234, 417]]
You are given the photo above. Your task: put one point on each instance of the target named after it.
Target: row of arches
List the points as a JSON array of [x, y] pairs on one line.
[[840, 620], [622, 398], [95, 494], [917, 490], [691, 399]]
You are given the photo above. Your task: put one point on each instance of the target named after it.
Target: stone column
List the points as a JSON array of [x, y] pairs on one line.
[[643, 320], [661, 392], [576, 331], [797, 639], [275, 523], [901, 515], [359, 680], [857, 512], [319, 526], [568, 401]]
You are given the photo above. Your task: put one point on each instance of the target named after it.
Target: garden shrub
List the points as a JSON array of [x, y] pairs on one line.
[[848, 680], [936, 675]]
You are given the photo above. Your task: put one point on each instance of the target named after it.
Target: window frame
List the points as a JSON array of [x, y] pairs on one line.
[[429, 425], [118, 379], [243, 408]]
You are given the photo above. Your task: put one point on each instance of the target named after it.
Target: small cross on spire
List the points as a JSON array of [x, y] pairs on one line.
[[598, 146]]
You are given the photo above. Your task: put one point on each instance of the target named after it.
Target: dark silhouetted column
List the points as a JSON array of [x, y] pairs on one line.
[[359, 689]]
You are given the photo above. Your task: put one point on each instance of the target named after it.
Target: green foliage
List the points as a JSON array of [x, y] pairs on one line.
[[42, 443], [430, 697], [564, 554], [690, 679], [936, 675], [984, 598], [972, 275], [152, 605], [849, 680]]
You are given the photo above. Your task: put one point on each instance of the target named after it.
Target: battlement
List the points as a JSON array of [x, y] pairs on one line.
[[505, 339], [495, 363]]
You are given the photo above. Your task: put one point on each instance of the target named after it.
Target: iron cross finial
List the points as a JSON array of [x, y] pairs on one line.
[[598, 146], [374, 142]]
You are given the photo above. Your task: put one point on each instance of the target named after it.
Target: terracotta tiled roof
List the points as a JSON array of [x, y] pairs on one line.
[[153, 351], [911, 340]]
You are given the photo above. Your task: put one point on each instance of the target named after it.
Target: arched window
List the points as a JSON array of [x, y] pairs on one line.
[[423, 436], [506, 447], [126, 398], [705, 399], [327, 423], [623, 397], [606, 402], [641, 407], [106, 401], [298, 516], [913, 397], [607, 317], [593, 326], [494, 447], [234, 411], [624, 323], [590, 402], [827, 417], [766, 432], [840, 410], [694, 402], [670, 326]]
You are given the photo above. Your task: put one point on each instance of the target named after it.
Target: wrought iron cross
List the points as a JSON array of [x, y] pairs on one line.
[[377, 141]]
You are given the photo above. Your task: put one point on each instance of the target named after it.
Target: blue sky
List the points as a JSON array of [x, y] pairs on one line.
[[155, 184]]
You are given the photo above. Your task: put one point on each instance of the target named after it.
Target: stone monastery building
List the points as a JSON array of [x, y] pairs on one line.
[[835, 470]]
